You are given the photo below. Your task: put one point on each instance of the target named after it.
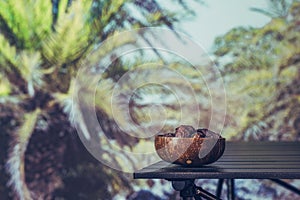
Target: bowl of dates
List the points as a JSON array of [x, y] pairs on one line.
[[189, 146]]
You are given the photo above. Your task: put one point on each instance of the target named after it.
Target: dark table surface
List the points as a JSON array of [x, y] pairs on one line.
[[251, 160]]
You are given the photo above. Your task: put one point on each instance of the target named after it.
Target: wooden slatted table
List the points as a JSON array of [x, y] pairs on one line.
[[241, 160]]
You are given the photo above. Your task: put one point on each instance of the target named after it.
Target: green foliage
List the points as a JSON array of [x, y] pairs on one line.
[[8, 54], [4, 87], [30, 21], [72, 35], [261, 72], [39, 61], [29, 67]]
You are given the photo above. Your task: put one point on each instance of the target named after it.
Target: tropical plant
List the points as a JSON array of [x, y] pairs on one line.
[[261, 69], [42, 44]]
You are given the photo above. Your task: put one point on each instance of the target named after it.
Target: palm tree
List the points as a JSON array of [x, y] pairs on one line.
[[41, 48]]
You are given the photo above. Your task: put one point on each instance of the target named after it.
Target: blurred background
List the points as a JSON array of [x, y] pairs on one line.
[[253, 44]]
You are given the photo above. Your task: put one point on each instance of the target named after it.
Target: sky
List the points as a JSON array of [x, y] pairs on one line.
[[217, 17]]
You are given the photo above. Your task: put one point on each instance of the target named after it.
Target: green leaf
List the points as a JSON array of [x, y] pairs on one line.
[[7, 54], [71, 37], [30, 20], [29, 67]]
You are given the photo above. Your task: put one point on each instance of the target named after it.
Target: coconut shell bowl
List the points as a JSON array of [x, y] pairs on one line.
[[190, 147]]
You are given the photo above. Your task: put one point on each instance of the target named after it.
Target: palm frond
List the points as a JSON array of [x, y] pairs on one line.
[[16, 158], [71, 37], [29, 67], [264, 12], [275, 9], [7, 54], [30, 21]]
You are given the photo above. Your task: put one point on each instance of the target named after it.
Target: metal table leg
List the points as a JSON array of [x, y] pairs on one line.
[[219, 188], [188, 191], [230, 189]]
